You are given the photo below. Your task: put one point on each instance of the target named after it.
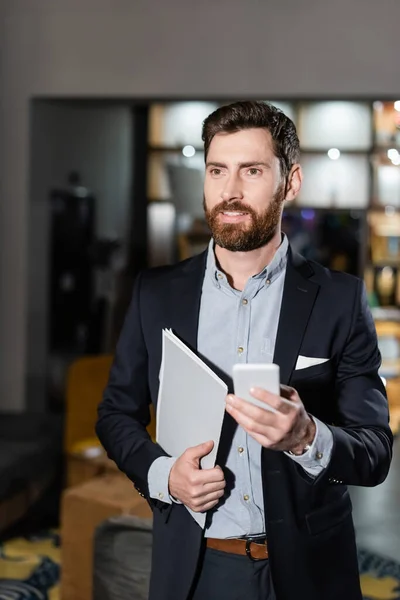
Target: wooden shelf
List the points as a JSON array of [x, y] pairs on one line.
[[381, 313]]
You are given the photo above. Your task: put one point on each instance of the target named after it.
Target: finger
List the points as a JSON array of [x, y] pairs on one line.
[[197, 452], [205, 507], [250, 410], [210, 488], [278, 403], [288, 392], [251, 424], [202, 501], [215, 475]]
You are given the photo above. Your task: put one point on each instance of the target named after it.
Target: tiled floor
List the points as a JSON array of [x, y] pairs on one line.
[[376, 512]]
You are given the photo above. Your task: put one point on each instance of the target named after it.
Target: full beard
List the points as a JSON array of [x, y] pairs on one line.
[[242, 237]]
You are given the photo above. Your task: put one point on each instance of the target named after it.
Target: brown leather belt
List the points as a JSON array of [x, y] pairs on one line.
[[240, 546]]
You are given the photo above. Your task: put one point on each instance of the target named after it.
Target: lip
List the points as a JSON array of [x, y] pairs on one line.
[[233, 217]]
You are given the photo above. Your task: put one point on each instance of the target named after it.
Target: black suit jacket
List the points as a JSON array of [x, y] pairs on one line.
[[310, 530]]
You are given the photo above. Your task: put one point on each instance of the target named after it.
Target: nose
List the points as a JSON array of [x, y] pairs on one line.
[[232, 188]]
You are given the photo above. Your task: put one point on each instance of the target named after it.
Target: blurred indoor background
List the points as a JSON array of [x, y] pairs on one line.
[[101, 173]]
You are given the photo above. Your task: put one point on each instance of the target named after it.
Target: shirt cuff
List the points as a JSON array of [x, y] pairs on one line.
[[158, 477], [318, 455]]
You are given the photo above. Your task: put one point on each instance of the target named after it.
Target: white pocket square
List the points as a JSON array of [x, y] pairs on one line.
[[303, 362]]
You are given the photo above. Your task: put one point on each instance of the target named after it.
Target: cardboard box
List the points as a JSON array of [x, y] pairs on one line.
[[81, 468], [83, 508]]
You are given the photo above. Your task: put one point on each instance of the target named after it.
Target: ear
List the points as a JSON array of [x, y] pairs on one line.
[[294, 182]]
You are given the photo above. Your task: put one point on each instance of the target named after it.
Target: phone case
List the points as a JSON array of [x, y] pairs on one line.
[[265, 376]]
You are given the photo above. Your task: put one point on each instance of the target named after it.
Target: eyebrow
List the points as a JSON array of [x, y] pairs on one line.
[[243, 165]]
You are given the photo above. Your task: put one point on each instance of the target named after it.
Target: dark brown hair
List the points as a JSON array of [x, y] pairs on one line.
[[250, 114]]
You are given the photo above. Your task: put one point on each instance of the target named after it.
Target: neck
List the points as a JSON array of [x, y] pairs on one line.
[[240, 266]]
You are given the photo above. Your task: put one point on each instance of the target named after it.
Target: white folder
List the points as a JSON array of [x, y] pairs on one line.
[[190, 405]]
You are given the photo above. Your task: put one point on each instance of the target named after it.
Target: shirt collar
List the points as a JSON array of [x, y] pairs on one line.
[[269, 272]]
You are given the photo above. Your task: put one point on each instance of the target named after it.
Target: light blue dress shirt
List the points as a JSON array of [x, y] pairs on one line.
[[241, 327]]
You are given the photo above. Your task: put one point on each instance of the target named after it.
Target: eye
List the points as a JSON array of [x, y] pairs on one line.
[[215, 171], [254, 171]]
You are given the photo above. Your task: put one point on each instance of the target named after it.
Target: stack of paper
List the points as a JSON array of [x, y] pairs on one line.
[[191, 403]]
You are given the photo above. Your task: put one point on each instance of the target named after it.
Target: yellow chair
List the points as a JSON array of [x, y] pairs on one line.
[[86, 380], [87, 377]]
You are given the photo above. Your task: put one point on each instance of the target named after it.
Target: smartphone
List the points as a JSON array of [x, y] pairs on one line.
[[265, 376]]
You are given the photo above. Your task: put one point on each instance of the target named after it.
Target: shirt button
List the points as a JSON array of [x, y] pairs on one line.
[[268, 282], [161, 495], [244, 301], [240, 350], [246, 497], [220, 276], [240, 450], [319, 455]]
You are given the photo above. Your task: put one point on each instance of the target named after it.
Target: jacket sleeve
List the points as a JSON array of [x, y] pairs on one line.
[[124, 414], [362, 439]]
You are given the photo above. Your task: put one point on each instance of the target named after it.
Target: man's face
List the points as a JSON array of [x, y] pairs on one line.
[[243, 190]]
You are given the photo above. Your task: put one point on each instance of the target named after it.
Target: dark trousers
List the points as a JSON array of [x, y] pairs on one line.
[[226, 576]]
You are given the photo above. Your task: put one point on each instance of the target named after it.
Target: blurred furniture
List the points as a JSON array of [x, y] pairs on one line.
[[96, 490], [30, 458], [122, 559], [82, 467], [86, 381], [83, 508], [87, 377], [393, 393], [383, 274], [72, 228], [388, 332]]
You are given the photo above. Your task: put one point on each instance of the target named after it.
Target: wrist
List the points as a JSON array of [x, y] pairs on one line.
[[306, 441]]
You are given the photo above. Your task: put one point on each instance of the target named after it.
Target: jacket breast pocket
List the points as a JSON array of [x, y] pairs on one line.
[[324, 370], [330, 515]]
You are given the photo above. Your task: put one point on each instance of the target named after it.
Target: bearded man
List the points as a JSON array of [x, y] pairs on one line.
[[278, 512]]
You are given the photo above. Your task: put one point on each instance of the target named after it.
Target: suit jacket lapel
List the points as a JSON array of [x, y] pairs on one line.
[[185, 296], [297, 302]]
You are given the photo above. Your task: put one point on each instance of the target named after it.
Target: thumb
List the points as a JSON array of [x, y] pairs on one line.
[[201, 450]]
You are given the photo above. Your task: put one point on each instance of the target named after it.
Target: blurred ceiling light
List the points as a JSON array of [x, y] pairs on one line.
[[378, 106], [334, 153], [397, 105], [392, 153], [396, 160], [390, 210], [188, 151]]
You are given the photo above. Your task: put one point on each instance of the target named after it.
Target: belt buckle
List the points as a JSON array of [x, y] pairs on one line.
[[248, 551]]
